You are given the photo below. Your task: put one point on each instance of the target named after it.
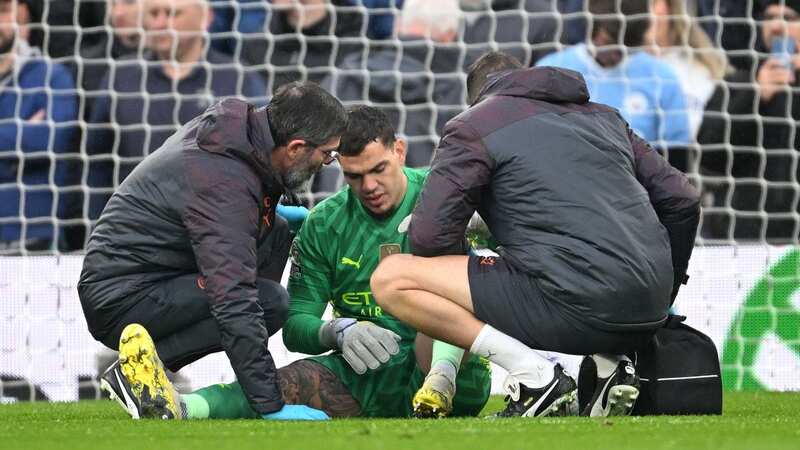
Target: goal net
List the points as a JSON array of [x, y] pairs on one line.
[[93, 90]]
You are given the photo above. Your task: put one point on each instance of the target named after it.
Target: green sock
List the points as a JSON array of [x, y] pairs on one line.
[[446, 358], [196, 406], [222, 401]]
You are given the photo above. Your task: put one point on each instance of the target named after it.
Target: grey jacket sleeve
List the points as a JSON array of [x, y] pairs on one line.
[[222, 219], [675, 200], [459, 173]]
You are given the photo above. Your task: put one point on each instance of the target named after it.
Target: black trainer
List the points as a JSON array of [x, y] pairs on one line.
[[615, 395], [558, 398], [114, 383]]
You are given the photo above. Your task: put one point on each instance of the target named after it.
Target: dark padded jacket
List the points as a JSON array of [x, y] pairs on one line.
[[198, 205], [570, 193]]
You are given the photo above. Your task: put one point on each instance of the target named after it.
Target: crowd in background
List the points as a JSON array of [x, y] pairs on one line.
[[90, 87]]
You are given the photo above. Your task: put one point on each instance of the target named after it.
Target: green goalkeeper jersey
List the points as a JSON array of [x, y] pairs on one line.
[[333, 256]]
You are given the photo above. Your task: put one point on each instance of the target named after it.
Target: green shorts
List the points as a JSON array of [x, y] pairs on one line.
[[388, 390]]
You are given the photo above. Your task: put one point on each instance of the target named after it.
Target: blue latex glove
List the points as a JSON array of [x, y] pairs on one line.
[[295, 215], [296, 412]]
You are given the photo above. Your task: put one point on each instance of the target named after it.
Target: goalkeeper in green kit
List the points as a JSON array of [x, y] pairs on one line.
[[378, 364], [333, 257]]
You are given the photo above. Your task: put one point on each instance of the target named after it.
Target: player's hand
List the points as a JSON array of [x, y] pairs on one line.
[[363, 344], [296, 412], [295, 215]]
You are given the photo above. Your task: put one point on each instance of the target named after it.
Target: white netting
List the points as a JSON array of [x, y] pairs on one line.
[[72, 126]]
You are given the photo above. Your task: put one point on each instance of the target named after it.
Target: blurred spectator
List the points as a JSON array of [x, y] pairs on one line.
[[147, 100], [37, 113], [573, 16], [728, 24], [56, 26], [750, 133], [124, 38], [619, 73], [681, 43], [381, 22], [304, 40], [526, 29], [416, 81], [242, 16]]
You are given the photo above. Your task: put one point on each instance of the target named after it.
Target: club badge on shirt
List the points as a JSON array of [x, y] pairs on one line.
[[389, 249]]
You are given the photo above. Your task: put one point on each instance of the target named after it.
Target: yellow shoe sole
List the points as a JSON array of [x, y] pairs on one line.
[[430, 404], [145, 373]]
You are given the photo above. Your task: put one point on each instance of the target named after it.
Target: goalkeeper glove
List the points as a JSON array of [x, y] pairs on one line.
[[363, 344], [295, 215], [296, 412]]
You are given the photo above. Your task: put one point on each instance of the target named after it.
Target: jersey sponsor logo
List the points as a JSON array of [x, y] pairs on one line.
[[364, 300], [349, 262]]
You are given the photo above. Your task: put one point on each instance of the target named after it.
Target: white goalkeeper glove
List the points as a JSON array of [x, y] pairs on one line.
[[363, 344]]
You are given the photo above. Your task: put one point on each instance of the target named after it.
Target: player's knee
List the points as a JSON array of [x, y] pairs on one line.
[[378, 284], [387, 279]]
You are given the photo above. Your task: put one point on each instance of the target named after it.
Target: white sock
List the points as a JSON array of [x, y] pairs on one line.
[[521, 361], [607, 363]]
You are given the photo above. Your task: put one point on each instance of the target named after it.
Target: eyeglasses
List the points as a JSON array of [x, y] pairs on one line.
[[329, 156]]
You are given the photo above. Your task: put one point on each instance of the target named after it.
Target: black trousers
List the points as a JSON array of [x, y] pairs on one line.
[[176, 312]]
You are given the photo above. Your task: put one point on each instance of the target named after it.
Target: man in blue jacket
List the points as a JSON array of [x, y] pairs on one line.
[[619, 73], [38, 109]]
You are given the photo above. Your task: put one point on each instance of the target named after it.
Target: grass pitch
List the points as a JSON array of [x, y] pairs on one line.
[[750, 421]]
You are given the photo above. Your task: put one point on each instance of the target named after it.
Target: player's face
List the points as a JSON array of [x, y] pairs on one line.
[[173, 25], [376, 175]]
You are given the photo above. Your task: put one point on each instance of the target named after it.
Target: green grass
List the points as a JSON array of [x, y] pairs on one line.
[[750, 421]]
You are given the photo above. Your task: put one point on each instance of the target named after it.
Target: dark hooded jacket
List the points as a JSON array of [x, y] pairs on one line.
[[198, 205], [571, 194]]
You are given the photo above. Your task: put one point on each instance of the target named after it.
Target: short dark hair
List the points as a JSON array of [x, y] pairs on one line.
[[487, 64], [365, 124], [635, 22], [303, 110]]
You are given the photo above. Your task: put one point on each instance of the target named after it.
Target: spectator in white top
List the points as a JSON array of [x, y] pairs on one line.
[[679, 41]]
